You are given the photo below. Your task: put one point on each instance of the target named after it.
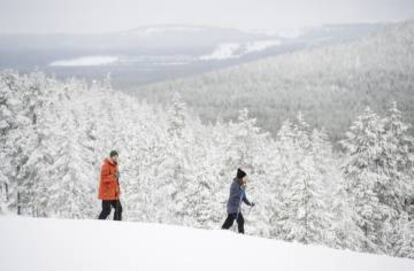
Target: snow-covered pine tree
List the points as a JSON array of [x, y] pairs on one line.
[[177, 166], [12, 122], [291, 220], [396, 188], [328, 182], [343, 231], [9, 123], [405, 235], [346, 232], [285, 149], [177, 115], [304, 212], [398, 151], [363, 172], [32, 158]]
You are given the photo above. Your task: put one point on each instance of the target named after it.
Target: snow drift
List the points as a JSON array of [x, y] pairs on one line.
[[51, 244]]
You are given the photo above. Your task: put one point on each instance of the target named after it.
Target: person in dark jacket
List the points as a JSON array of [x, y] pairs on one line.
[[237, 195]]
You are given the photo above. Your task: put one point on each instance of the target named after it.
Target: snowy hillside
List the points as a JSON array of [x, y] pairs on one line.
[[177, 170], [88, 245], [330, 85]]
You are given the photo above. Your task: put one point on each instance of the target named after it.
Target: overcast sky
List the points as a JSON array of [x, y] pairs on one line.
[[45, 16]]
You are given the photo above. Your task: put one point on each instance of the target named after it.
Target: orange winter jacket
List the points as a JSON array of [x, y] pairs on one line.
[[109, 184]]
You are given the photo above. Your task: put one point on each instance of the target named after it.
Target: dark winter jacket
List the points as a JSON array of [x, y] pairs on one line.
[[237, 194]]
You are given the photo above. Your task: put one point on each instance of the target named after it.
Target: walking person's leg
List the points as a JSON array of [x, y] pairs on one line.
[[106, 209], [228, 222], [118, 210], [240, 223]]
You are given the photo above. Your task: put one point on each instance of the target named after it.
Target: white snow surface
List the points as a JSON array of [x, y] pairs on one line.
[[164, 29], [223, 51], [261, 45], [85, 61], [236, 50], [38, 244]]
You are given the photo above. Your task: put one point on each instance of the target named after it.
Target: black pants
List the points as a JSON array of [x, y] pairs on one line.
[[230, 220], [106, 209]]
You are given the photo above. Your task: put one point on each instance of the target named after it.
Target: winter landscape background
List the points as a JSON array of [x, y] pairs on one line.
[[320, 119]]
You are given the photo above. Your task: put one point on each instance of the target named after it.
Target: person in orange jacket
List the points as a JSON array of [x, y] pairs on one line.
[[109, 190]]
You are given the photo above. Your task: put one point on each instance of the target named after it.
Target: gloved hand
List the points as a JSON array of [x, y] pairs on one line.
[[252, 204]]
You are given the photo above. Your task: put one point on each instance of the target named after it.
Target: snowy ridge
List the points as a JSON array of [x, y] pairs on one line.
[[223, 51], [237, 50], [89, 245], [159, 29]]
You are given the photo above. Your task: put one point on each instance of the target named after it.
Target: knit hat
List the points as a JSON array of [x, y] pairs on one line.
[[113, 153], [240, 173]]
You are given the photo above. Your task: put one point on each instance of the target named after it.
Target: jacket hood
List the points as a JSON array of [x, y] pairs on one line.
[[109, 161]]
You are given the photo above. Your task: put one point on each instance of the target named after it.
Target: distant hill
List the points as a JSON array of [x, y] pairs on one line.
[[330, 85], [156, 53]]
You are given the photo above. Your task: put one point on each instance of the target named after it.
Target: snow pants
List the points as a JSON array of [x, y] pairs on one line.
[[106, 209], [230, 220]]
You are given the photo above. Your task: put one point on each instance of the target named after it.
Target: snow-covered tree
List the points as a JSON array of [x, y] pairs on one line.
[[304, 212], [397, 156], [405, 237], [397, 166], [363, 173]]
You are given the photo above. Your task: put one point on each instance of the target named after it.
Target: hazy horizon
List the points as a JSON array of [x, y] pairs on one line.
[[100, 16]]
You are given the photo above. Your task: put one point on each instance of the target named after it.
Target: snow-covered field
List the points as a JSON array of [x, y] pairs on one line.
[[86, 245]]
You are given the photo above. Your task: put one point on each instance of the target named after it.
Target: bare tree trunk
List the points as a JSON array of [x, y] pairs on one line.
[[6, 186], [306, 208], [19, 210]]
